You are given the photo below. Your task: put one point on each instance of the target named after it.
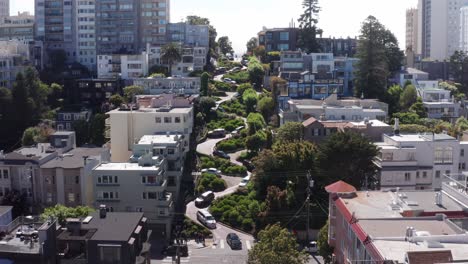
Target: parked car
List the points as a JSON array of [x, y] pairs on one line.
[[217, 133], [233, 241], [221, 154], [227, 80], [206, 219], [204, 199], [312, 248], [248, 164], [244, 181], [212, 171]]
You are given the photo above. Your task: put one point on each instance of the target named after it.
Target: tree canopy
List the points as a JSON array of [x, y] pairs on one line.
[[290, 132], [225, 45], [308, 26], [61, 212], [276, 246], [252, 44]]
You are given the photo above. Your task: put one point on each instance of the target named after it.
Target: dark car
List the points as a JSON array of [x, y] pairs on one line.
[[221, 154], [234, 241], [248, 164]]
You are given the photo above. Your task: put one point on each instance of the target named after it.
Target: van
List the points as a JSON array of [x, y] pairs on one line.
[[204, 217]]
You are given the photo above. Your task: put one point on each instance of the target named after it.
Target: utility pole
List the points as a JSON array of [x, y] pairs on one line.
[[310, 185]]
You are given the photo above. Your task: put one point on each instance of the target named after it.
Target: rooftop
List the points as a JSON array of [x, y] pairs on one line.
[[159, 139], [125, 166], [420, 137], [73, 159]]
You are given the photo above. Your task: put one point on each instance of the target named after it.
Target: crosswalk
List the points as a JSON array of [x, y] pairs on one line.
[[222, 244]]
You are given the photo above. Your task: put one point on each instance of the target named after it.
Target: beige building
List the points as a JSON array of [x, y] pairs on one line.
[[67, 179], [157, 114], [412, 29]]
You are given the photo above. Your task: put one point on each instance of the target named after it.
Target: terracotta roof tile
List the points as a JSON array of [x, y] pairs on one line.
[[340, 187], [430, 257]]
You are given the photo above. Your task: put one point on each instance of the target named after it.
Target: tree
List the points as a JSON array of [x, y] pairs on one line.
[[290, 132], [324, 249], [225, 45], [459, 68], [408, 97], [61, 212], [256, 141], [378, 55], [252, 44], [18, 201], [250, 98], [347, 156], [418, 108], [255, 122], [266, 106], [56, 95], [131, 91], [204, 80], [57, 59], [206, 104], [81, 128], [276, 246], [243, 87], [393, 98], [260, 52], [116, 100], [256, 72], [407, 117], [30, 136], [308, 26], [21, 103], [170, 54], [97, 129]]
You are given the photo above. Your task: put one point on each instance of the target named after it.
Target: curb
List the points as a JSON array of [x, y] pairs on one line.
[[235, 229]]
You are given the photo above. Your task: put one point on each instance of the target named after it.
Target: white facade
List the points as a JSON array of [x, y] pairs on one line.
[[86, 33], [412, 29], [126, 126], [193, 59], [4, 8], [122, 66], [417, 161], [464, 29], [171, 85], [439, 27]]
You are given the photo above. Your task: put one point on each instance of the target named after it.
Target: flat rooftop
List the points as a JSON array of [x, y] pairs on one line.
[[159, 139], [420, 138], [125, 166], [381, 228], [185, 110], [73, 159]]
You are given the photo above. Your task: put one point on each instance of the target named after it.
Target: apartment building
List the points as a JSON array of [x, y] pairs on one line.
[[439, 103], [157, 114], [410, 75], [104, 237], [192, 59], [333, 109], [4, 8], [93, 93], [176, 85], [119, 66], [85, 17], [137, 187], [14, 58], [55, 26], [318, 131], [19, 27], [412, 28], [20, 169], [67, 179], [188, 35], [339, 47], [417, 161], [65, 119], [278, 39]]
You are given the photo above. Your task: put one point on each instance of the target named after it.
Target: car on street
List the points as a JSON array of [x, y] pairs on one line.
[[221, 154], [312, 247], [217, 133], [204, 199], [244, 181], [248, 164], [233, 241], [212, 171], [206, 219]]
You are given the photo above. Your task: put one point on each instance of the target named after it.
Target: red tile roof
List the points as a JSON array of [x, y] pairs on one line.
[[309, 122], [340, 187]]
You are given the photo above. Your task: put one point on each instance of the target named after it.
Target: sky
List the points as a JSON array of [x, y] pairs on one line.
[[245, 18]]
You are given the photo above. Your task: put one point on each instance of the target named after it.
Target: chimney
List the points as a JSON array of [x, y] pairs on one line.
[[85, 159], [396, 127], [102, 211]]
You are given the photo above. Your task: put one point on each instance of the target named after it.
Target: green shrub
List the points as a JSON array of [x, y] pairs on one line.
[[210, 182], [224, 165], [234, 106], [191, 229], [239, 77], [222, 86], [231, 144]]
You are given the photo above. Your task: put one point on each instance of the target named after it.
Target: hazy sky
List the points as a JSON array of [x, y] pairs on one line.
[[243, 19]]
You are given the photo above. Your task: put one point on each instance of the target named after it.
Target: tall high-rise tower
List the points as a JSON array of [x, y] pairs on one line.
[[4, 8], [412, 29]]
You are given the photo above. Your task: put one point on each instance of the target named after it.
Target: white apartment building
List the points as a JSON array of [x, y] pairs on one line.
[[137, 187], [439, 28], [417, 161], [440, 104], [193, 59], [4, 8], [86, 33], [176, 85], [412, 29], [122, 66], [159, 114], [14, 58]]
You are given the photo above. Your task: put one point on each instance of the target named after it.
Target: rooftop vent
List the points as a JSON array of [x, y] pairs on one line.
[[102, 211]]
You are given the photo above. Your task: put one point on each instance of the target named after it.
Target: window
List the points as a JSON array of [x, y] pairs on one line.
[[139, 209], [424, 174], [109, 253], [284, 35], [437, 174], [167, 119], [158, 120], [49, 197], [150, 195], [171, 151], [177, 119], [447, 172], [77, 179], [6, 174], [462, 152], [417, 174], [71, 197], [407, 176]]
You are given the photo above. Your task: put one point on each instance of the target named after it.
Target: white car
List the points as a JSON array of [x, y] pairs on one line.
[[212, 171], [244, 181], [206, 218], [312, 248]]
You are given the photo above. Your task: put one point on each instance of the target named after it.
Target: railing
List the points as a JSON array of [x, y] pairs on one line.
[[456, 185]]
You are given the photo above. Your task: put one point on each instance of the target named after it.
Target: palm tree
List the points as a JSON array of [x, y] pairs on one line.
[[171, 53]]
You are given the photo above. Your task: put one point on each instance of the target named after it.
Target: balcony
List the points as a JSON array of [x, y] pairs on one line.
[[396, 163], [107, 122], [107, 134], [167, 202]]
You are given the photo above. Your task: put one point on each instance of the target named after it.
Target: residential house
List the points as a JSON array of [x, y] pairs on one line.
[[122, 66], [93, 93], [188, 35], [65, 119], [278, 39]]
